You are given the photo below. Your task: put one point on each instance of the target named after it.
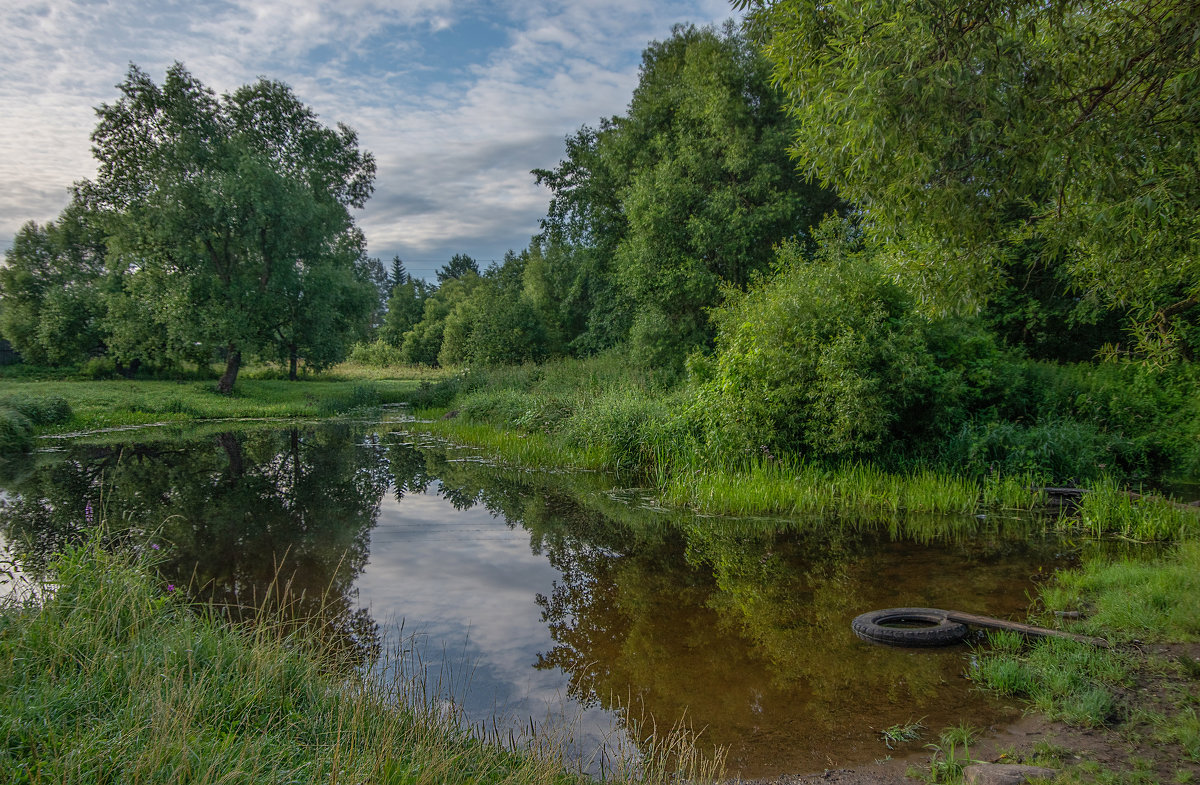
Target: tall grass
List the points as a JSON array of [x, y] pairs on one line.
[[1112, 510], [113, 678], [793, 487]]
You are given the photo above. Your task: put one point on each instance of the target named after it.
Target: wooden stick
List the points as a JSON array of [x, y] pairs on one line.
[[1024, 629]]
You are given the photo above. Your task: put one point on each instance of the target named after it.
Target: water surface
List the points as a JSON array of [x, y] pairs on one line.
[[550, 597]]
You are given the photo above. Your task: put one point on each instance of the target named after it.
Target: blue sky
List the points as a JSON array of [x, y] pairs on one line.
[[457, 100]]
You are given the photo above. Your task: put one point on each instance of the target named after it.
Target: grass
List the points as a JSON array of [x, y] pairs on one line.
[[791, 487], [951, 753], [1109, 509], [108, 404], [902, 733], [1062, 679], [114, 678], [1125, 599], [1156, 599]]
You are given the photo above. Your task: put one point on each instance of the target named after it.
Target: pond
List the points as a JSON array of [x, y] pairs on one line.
[[547, 598]]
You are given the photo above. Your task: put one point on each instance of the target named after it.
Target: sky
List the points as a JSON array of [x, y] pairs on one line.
[[458, 101]]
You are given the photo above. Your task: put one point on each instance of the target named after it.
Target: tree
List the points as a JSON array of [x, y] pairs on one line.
[[966, 130], [224, 205], [497, 323], [580, 233], [399, 275], [51, 289], [330, 310], [687, 192], [405, 308], [459, 265], [423, 343]]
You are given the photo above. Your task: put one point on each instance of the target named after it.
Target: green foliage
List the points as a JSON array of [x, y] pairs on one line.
[[826, 358], [423, 343], [227, 220], [459, 266], [52, 305], [405, 308], [683, 194], [377, 354], [16, 432], [966, 131], [496, 325]]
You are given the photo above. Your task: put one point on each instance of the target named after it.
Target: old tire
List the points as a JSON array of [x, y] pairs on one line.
[[908, 627]]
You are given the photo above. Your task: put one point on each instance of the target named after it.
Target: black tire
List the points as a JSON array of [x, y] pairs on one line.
[[935, 629]]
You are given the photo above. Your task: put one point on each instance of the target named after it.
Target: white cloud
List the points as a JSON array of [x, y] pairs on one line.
[[455, 123]]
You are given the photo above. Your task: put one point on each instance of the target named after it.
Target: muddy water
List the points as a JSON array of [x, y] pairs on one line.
[[548, 598]]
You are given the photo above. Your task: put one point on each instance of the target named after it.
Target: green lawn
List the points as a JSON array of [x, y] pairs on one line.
[[106, 404]]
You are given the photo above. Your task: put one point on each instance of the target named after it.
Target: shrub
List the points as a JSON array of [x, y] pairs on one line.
[[39, 410], [376, 355], [16, 432], [824, 358]]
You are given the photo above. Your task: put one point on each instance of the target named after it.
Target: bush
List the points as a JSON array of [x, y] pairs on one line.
[[825, 358], [1059, 450], [16, 432], [376, 355], [631, 430], [39, 410]]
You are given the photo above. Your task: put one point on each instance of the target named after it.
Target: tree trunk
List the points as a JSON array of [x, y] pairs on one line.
[[233, 451], [232, 364], [292, 358]]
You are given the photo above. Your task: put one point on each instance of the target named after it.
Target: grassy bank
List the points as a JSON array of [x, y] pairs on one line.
[[1142, 693], [108, 404], [113, 678], [1071, 425]]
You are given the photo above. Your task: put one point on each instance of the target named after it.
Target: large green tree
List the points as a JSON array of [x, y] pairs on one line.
[[221, 209], [971, 132], [687, 192]]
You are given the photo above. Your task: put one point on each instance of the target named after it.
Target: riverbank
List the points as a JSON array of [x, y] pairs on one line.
[[85, 405], [115, 677]]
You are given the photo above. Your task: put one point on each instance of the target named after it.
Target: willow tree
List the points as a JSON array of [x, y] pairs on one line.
[[221, 207], [975, 133]]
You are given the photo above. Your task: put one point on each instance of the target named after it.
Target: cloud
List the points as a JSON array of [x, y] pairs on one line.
[[457, 100]]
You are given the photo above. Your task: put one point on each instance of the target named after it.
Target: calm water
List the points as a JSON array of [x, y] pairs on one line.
[[548, 597]]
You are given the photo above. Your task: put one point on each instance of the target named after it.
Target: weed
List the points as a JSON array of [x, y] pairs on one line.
[[1182, 729], [951, 753], [900, 734]]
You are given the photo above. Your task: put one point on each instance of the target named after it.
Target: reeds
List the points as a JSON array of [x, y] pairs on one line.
[[789, 487]]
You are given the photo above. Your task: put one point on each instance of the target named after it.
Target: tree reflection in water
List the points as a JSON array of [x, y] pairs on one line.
[[251, 520]]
